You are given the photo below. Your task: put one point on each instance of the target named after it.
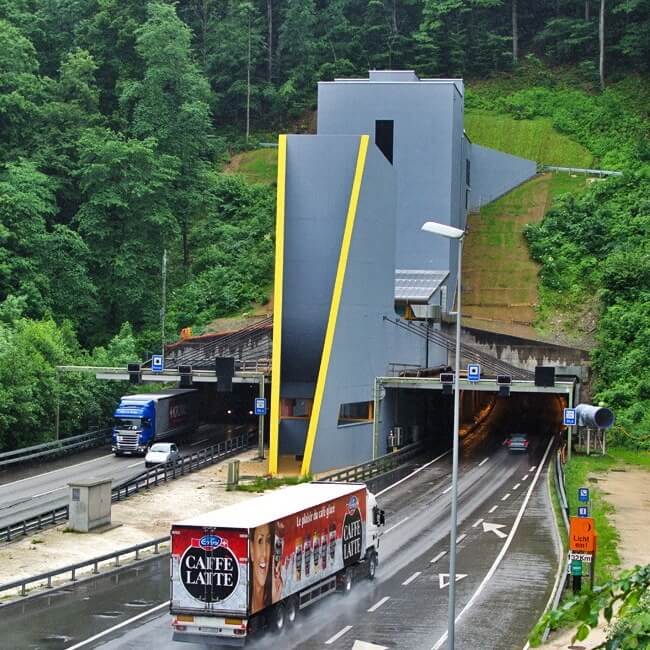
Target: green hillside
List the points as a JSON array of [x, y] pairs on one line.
[[534, 139], [257, 166]]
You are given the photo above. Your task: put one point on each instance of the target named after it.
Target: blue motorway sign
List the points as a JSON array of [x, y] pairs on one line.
[[583, 511], [583, 495], [260, 406], [473, 372], [157, 363], [570, 417]]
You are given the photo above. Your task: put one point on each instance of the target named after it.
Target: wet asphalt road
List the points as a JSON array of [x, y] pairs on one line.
[[409, 606], [26, 491]]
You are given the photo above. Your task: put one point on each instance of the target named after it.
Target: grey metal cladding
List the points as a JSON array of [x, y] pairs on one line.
[[321, 169], [494, 173]]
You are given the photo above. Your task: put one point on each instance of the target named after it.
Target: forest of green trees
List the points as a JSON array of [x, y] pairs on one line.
[[116, 117]]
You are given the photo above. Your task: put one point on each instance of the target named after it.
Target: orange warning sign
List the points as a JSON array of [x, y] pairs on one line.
[[582, 535]]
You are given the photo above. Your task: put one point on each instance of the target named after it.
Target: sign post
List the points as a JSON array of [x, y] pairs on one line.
[[582, 545], [260, 409]]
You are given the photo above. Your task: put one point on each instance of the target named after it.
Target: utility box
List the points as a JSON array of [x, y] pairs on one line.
[[90, 504], [233, 475]]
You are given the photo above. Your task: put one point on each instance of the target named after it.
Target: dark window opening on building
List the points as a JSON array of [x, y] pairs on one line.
[[467, 172], [384, 138], [354, 412], [466, 199], [295, 408]]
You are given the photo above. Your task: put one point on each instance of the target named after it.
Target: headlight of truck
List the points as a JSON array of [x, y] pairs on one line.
[[119, 438]]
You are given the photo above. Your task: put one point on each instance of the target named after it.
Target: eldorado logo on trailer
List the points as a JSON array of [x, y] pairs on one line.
[[209, 569]]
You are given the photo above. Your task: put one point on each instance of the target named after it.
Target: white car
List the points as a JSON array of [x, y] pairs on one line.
[[161, 453]]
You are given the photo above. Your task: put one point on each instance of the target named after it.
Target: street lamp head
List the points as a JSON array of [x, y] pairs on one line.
[[441, 229]]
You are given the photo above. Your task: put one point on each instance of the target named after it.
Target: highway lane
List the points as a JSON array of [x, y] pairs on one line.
[[407, 601], [46, 487]]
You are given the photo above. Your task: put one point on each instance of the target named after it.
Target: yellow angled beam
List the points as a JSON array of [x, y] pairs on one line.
[[278, 284], [335, 304]]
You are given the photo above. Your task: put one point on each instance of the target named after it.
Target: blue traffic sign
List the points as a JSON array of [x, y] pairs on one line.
[[473, 372], [583, 495], [260, 406], [583, 511], [157, 363], [570, 417]]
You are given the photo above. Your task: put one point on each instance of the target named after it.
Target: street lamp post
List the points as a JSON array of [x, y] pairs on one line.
[[453, 233]]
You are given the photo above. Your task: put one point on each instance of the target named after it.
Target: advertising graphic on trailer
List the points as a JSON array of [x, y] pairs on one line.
[[285, 556]]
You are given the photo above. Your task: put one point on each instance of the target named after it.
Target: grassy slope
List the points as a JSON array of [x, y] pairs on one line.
[[534, 139], [258, 166]]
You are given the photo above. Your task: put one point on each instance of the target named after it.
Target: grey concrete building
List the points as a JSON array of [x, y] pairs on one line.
[[390, 154]]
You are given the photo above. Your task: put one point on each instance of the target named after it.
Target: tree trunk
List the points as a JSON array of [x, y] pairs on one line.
[[587, 10], [269, 18], [601, 39], [248, 82], [515, 33]]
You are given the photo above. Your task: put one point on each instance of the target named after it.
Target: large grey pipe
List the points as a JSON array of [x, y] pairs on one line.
[[596, 417]]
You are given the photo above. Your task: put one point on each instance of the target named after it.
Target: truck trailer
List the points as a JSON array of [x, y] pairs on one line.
[[141, 420], [256, 564]]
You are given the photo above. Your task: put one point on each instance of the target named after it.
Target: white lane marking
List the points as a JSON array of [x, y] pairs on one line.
[[485, 460], [505, 496], [135, 464], [445, 583], [504, 548], [118, 626], [338, 635], [447, 490], [409, 580], [533, 468], [399, 523], [441, 554], [31, 478], [460, 538], [516, 487], [42, 494], [525, 477], [378, 604], [413, 473], [198, 442], [492, 509], [494, 528], [476, 523]]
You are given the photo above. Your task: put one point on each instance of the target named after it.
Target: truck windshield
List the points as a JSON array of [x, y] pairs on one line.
[[127, 423]]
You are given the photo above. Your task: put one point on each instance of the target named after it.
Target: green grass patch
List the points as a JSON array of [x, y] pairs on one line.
[[259, 166], [261, 483], [534, 139]]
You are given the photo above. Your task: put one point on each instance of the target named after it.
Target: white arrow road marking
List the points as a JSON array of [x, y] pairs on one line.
[[364, 645], [444, 579], [441, 554], [494, 528]]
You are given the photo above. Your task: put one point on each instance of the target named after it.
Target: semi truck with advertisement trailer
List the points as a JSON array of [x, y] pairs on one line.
[[140, 420], [256, 564]]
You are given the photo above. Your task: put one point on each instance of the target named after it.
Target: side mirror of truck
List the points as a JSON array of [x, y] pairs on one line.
[[378, 517], [382, 518]]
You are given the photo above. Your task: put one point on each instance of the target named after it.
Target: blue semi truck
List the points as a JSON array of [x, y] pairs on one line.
[[140, 420]]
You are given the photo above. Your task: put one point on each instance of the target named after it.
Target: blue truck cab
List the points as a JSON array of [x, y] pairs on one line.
[[140, 420]]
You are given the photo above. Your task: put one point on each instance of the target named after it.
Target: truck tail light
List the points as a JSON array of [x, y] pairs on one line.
[[525, 443], [239, 632]]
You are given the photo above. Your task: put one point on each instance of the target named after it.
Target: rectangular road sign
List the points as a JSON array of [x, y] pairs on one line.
[[570, 417], [576, 568], [157, 362], [583, 511], [583, 495], [581, 557], [260, 406], [474, 372], [582, 535]]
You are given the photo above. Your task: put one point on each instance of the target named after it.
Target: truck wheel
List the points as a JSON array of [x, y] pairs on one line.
[[291, 611], [278, 618], [346, 581], [372, 566]]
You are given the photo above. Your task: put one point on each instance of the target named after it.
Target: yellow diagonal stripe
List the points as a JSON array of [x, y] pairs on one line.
[[335, 304]]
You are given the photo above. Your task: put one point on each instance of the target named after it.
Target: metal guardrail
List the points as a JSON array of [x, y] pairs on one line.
[[378, 466], [73, 568], [187, 464], [580, 170], [55, 448], [559, 479], [152, 477]]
